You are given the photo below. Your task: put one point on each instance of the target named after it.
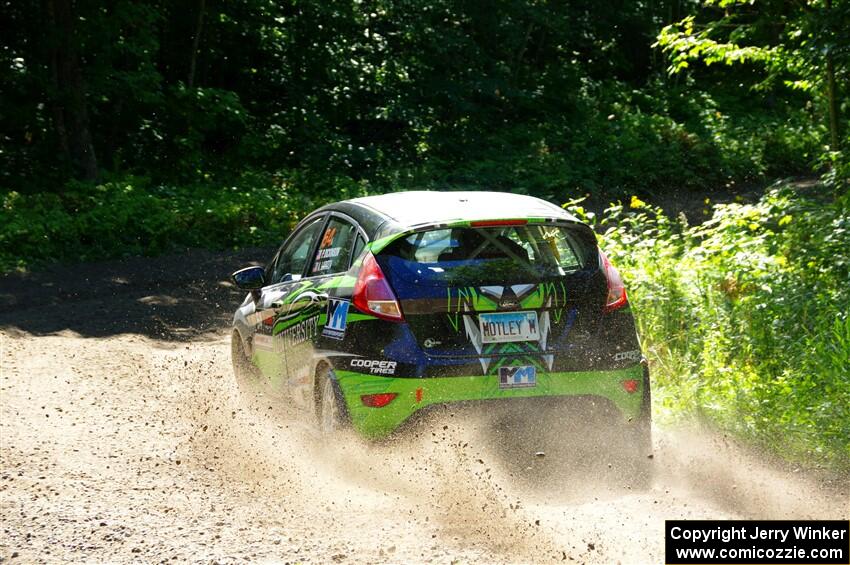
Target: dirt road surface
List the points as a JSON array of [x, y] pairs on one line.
[[124, 438]]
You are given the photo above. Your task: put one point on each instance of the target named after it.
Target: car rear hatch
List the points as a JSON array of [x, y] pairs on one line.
[[497, 290]]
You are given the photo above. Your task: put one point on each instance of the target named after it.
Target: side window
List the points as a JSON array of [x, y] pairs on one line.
[[335, 247], [358, 247], [293, 258]]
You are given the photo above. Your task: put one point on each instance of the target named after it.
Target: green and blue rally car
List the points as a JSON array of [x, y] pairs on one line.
[[377, 308]]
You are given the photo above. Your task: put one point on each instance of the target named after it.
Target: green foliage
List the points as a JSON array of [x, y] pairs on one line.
[[546, 98], [647, 141], [785, 42], [798, 46], [131, 216], [744, 317]]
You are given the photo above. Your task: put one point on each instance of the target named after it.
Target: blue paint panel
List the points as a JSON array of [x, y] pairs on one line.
[[403, 348]]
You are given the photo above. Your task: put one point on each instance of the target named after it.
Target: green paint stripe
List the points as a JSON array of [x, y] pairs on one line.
[[354, 317], [380, 422], [286, 324]]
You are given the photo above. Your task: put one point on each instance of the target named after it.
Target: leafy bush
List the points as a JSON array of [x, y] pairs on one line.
[[618, 141], [132, 217], [744, 318]]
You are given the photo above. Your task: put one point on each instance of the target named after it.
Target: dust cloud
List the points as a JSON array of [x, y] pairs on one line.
[[127, 447]]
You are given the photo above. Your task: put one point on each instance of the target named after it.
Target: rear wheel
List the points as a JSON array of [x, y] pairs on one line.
[[330, 410]]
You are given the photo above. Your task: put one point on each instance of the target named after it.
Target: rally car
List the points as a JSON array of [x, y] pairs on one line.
[[376, 309]]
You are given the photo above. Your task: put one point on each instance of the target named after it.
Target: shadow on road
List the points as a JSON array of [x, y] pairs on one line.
[[174, 297]]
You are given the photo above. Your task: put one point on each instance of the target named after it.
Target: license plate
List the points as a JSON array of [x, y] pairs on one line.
[[504, 327], [517, 377]]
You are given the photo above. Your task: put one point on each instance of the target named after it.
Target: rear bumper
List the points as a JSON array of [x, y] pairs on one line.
[[416, 394]]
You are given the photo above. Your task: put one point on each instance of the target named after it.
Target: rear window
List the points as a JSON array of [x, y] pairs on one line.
[[471, 256]]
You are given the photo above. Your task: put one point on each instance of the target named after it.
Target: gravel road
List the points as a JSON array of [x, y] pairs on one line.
[[124, 438]]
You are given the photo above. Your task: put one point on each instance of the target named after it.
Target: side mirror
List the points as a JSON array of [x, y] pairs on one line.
[[250, 278]]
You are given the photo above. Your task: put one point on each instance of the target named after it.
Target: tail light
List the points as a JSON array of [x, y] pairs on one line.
[[616, 289], [372, 292], [378, 400]]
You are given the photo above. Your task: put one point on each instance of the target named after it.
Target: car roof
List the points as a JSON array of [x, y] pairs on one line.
[[405, 210]]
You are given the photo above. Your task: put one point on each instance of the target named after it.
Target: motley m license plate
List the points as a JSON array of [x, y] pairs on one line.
[[504, 327]]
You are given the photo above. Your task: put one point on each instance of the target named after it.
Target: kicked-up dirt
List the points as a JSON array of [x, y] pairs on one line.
[[123, 437]]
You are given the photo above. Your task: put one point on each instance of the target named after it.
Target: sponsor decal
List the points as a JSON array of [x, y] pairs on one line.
[[376, 367], [627, 356], [300, 332], [517, 377], [337, 318]]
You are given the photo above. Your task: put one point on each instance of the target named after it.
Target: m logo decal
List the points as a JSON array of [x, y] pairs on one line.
[[517, 377], [337, 318]]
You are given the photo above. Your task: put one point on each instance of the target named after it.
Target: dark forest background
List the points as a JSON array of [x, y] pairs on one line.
[[132, 126], [464, 92]]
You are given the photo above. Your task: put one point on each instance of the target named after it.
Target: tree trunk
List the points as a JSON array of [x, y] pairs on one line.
[[832, 97], [56, 105], [71, 112], [196, 43], [673, 12]]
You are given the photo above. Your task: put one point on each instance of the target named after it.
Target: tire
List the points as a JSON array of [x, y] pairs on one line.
[[244, 371], [331, 415]]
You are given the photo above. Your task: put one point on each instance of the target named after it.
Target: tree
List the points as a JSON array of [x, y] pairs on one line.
[[803, 45], [71, 116], [196, 40]]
